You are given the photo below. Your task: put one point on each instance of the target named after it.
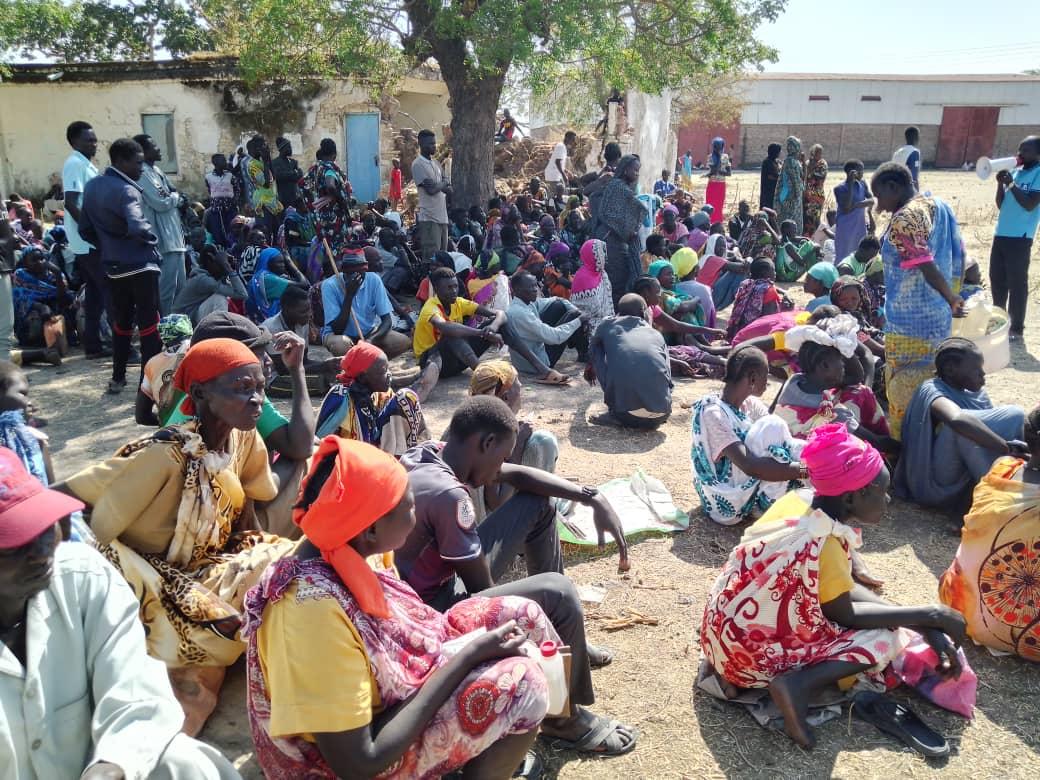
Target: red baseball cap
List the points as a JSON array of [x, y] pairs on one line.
[[27, 508]]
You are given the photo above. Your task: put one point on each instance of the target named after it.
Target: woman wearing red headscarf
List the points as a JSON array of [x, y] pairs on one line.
[[361, 405], [169, 510], [786, 614], [350, 673]]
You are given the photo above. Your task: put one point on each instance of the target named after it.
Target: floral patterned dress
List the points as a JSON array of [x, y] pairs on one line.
[[763, 617], [325, 186], [496, 699], [814, 196]]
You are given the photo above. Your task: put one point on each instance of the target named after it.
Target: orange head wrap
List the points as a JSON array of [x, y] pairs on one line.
[[358, 360], [207, 360], [364, 485]]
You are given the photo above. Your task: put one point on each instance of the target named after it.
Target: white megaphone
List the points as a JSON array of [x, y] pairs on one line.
[[986, 167]]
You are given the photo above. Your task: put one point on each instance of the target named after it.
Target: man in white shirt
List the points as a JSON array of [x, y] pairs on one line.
[[556, 169], [909, 155], [434, 188], [75, 174], [546, 326], [79, 695]]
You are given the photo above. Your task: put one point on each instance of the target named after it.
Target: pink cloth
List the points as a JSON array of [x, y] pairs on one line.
[[839, 462], [915, 667], [593, 259], [710, 269]]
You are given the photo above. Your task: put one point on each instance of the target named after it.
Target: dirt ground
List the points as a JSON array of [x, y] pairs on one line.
[[650, 683]]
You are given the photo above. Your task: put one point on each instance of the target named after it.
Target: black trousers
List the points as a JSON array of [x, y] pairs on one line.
[[135, 301], [97, 299], [457, 354], [1009, 277], [558, 313]]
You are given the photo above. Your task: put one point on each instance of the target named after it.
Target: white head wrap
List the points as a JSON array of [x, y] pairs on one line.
[[841, 332]]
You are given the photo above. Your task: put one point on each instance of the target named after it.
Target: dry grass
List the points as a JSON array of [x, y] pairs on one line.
[[650, 683]]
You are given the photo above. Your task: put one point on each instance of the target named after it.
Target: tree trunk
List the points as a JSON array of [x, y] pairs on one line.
[[474, 105]]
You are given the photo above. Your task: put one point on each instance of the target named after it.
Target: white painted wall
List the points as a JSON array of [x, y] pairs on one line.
[[34, 118], [786, 100], [650, 116]]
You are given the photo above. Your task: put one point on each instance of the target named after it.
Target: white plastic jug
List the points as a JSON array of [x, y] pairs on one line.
[[989, 327], [551, 661]]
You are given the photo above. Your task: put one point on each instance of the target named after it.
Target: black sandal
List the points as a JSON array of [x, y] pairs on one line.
[[901, 722]]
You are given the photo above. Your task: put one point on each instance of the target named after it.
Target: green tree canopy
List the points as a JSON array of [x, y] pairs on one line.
[[624, 44]]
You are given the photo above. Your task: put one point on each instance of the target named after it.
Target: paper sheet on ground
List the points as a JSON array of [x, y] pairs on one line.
[[642, 503]]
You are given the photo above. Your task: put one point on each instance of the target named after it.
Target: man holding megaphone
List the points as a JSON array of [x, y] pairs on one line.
[[1018, 199]]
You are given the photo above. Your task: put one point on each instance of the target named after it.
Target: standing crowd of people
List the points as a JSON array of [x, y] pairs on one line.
[[359, 564]]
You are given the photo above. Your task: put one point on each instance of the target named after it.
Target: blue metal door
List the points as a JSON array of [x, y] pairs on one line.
[[363, 155]]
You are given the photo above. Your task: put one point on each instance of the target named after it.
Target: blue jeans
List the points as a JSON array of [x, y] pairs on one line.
[[1008, 422]]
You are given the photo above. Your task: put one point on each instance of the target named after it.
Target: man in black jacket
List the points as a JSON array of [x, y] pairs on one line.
[[113, 220]]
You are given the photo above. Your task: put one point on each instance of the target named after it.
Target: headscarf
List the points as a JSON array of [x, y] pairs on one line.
[[547, 221], [794, 146], [492, 377], [174, 328], [358, 360], [863, 313], [593, 256], [557, 249], [364, 485], [206, 361], [825, 273], [702, 220], [839, 462], [683, 262], [657, 266], [670, 208], [488, 262], [841, 332], [258, 289]]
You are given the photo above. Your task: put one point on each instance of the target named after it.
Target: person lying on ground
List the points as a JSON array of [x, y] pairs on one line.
[[357, 306], [952, 432], [209, 287], [546, 326], [630, 360], [537, 449], [290, 441], [375, 715], [841, 630], [83, 698], [743, 457], [442, 340], [769, 334], [170, 511], [362, 406], [999, 541], [294, 314]]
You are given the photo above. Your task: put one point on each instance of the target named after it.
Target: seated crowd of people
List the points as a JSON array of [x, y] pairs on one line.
[[359, 563]]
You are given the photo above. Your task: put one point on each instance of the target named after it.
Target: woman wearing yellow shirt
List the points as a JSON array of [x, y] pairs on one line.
[[785, 613], [349, 672]]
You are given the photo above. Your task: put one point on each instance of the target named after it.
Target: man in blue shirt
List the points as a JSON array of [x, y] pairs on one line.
[[357, 306], [662, 187], [75, 174], [1018, 198]]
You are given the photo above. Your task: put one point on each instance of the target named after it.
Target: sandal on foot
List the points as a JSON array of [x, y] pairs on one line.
[[554, 378], [901, 722], [531, 768], [600, 656], [603, 739]]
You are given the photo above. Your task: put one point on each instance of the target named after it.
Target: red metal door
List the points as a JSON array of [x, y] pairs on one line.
[[966, 133]]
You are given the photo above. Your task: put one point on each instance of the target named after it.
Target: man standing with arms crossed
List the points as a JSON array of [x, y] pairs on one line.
[[97, 297], [434, 189], [161, 208], [1018, 199]]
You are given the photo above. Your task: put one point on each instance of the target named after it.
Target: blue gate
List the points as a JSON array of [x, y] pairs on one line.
[[363, 155]]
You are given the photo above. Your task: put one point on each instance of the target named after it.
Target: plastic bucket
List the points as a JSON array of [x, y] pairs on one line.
[[995, 346]]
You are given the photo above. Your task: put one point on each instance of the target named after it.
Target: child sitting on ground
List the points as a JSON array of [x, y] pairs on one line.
[[656, 249], [811, 398], [756, 297], [156, 395], [251, 254]]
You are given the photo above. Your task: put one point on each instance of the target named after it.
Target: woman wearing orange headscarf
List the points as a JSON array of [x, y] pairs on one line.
[[169, 510], [361, 405], [349, 671]]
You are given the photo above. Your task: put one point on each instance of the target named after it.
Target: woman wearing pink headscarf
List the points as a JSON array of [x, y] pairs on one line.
[[590, 289], [786, 613]]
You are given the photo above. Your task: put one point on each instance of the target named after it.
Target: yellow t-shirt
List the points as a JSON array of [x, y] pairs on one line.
[[835, 565], [315, 687], [425, 335]]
